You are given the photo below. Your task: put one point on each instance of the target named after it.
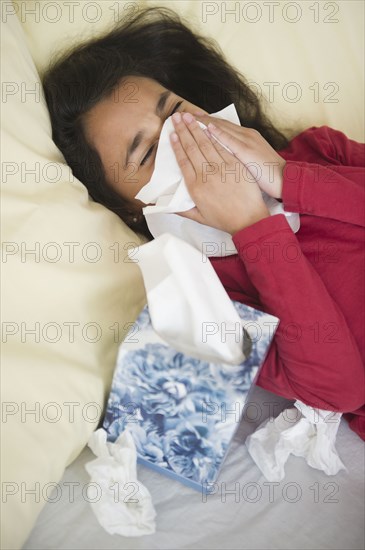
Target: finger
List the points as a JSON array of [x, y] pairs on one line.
[[204, 143], [232, 142], [237, 130], [221, 122], [183, 161], [226, 156], [188, 143], [192, 214]]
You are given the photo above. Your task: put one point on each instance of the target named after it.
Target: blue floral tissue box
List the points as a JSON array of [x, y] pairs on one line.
[[180, 410]]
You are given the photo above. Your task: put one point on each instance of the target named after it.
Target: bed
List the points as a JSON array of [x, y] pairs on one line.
[[308, 509], [63, 289]]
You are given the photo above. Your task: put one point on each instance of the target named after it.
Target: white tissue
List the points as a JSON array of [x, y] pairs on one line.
[[125, 505], [167, 191], [188, 304], [310, 434]]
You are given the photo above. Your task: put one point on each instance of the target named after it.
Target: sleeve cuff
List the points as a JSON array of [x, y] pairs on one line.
[[292, 179], [261, 230]]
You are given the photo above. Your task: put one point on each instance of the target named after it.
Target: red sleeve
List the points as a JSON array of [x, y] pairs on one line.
[[335, 190], [347, 151], [319, 367]]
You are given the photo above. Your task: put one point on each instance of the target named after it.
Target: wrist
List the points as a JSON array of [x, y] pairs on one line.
[[256, 217], [279, 184]]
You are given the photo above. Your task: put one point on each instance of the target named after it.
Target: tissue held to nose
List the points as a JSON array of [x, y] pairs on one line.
[[168, 193]]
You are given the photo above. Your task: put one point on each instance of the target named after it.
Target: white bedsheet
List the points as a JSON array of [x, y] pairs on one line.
[[307, 510]]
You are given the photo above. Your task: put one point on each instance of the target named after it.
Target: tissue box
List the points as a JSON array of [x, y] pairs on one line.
[[183, 411]]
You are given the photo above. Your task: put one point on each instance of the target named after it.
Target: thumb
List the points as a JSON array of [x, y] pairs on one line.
[[192, 214]]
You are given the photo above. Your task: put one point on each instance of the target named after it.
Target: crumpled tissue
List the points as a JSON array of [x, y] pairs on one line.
[[188, 304], [311, 435], [167, 191], [125, 505]]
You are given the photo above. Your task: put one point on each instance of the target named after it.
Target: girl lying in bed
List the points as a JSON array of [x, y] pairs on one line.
[[108, 101]]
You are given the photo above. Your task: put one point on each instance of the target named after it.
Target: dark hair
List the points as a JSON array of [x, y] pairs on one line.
[[155, 43]]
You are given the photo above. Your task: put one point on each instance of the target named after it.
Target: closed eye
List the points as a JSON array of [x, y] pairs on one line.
[[150, 151]]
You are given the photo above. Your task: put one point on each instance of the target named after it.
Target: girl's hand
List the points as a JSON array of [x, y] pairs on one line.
[[248, 145], [225, 198]]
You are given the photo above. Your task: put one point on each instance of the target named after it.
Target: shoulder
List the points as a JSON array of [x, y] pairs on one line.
[[314, 143], [325, 145], [318, 135]]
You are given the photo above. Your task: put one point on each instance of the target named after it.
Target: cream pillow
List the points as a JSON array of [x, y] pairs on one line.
[[69, 293], [50, 26], [306, 58]]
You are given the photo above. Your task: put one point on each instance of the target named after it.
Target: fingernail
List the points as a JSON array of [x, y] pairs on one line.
[[174, 137], [176, 117], [188, 117]]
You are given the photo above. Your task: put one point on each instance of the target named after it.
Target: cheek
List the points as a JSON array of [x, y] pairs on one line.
[[130, 181]]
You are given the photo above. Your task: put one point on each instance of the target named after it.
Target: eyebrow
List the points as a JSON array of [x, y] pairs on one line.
[[137, 140]]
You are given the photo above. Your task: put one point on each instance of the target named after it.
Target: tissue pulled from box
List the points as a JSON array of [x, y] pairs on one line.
[[188, 304]]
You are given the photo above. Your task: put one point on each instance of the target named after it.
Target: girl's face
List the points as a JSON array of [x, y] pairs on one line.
[[125, 128]]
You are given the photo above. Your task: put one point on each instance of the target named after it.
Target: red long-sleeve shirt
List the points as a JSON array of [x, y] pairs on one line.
[[313, 280]]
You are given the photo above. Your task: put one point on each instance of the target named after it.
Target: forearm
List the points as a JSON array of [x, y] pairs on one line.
[[336, 192], [314, 347]]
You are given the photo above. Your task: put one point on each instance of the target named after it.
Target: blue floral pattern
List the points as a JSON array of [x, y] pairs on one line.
[[179, 408]]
